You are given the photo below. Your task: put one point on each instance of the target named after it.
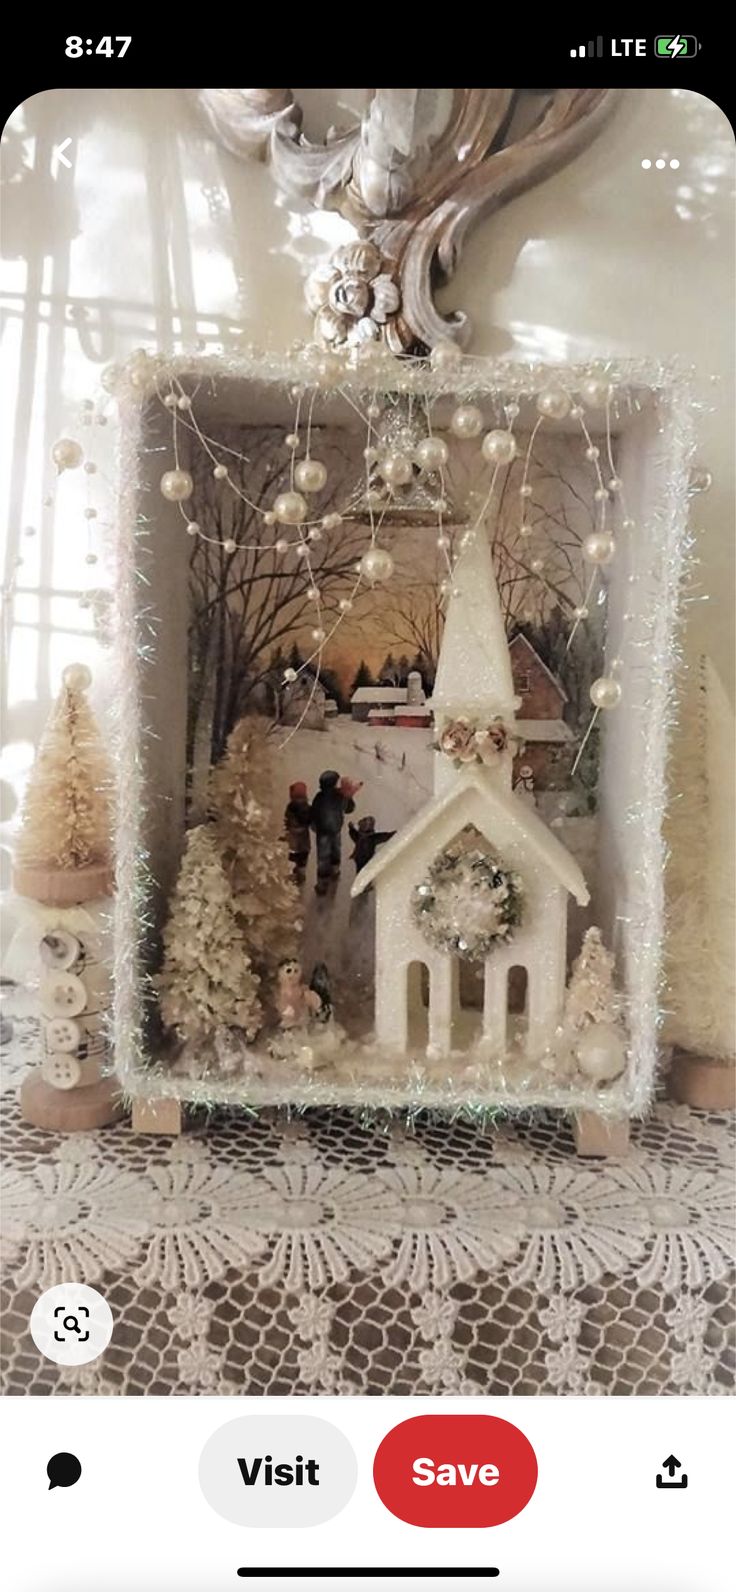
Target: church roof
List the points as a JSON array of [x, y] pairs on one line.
[[540, 840], [521, 638], [474, 668]]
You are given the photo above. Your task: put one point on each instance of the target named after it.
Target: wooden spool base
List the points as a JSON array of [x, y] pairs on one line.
[[600, 1136], [95, 1105], [702, 1081]]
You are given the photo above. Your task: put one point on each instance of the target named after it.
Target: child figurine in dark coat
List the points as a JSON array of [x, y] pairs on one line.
[[296, 824], [333, 800], [366, 838]]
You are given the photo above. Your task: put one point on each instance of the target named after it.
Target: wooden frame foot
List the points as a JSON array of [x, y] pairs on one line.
[[600, 1136], [702, 1082], [157, 1116]]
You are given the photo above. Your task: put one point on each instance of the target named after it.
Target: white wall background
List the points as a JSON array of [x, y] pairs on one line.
[[156, 236]]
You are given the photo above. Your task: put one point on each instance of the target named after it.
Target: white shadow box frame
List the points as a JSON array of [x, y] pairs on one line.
[[652, 418]]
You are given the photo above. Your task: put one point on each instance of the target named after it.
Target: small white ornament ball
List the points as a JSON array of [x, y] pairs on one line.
[[90, 514], [432, 453], [319, 635], [312, 594], [310, 475], [525, 491], [110, 378], [628, 525], [595, 392], [229, 546], [498, 447], [91, 558], [377, 565], [599, 548], [193, 528], [220, 472], [170, 400], [66, 454], [581, 612], [577, 411], [445, 355], [269, 517], [605, 693], [90, 468], [331, 521], [77, 677], [526, 530], [289, 676], [615, 484], [600, 494], [601, 1053], [537, 566], [396, 469], [466, 421], [345, 605], [184, 402], [281, 546], [292, 439], [290, 508], [314, 533], [592, 452], [176, 485], [301, 550], [554, 403]]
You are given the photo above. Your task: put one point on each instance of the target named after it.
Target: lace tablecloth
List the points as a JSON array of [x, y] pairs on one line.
[[320, 1256]]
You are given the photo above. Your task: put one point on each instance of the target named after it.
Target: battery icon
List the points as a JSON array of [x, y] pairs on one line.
[[675, 46]]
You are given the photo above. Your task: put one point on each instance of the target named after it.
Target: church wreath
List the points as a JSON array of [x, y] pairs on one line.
[[467, 903]]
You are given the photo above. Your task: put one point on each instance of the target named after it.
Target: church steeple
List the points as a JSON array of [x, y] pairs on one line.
[[474, 679]]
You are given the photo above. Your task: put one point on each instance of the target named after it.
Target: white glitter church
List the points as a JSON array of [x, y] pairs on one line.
[[418, 989]]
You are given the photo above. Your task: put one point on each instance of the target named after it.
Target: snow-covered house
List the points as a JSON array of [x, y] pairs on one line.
[[418, 986]]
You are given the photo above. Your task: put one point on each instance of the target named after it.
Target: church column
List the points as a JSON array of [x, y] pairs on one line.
[[495, 1004], [442, 975], [546, 973]]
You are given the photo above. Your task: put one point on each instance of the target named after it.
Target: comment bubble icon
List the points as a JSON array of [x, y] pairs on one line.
[[63, 1470]]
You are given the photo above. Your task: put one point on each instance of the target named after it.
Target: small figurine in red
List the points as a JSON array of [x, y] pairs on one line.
[[296, 826]]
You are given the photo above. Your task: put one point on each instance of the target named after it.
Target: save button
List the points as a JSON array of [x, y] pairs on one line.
[[455, 1470]]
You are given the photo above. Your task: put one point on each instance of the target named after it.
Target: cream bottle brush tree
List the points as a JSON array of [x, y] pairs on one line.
[[66, 821], [207, 982], [255, 858]]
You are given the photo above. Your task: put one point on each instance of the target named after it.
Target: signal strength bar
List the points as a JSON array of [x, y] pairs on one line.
[[595, 47]]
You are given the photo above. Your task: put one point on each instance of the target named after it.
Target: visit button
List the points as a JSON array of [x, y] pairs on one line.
[[455, 1470]]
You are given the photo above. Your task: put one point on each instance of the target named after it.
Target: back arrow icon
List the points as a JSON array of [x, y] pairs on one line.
[[59, 152]]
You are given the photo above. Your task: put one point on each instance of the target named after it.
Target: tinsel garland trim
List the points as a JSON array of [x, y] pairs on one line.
[[667, 531]]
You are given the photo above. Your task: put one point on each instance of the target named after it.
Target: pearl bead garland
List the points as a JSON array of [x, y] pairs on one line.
[[498, 447], [396, 469], [605, 693], [377, 565], [599, 548], [466, 422], [310, 475], [67, 454], [432, 453], [290, 508], [554, 403], [176, 485]]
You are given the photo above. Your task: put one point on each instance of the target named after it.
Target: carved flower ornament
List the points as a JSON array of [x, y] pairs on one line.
[[351, 296]]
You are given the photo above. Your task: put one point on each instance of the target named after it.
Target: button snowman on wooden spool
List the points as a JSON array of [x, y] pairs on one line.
[[63, 874]]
